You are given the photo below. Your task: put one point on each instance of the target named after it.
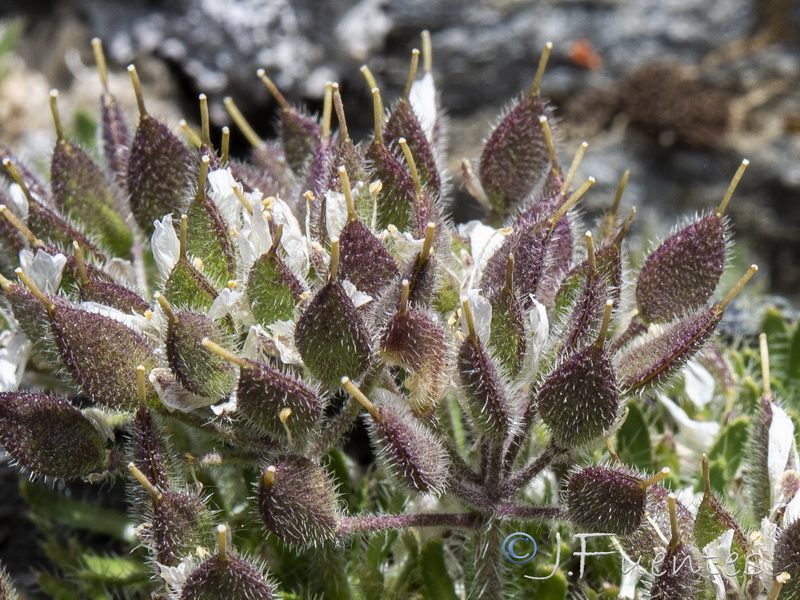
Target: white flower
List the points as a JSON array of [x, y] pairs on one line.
[[699, 384], [166, 246], [44, 269], [282, 334], [255, 238], [292, 239], [18, 202], [536, 335], [695, 435], [722, 569], [780, 449], [484, 241], [422, 98], [335, 213], [175, 577], [275, 340], [173, 395], [359, 298], [481, 314], [227, 302], [402, 245], [221, 183], [14, 351]]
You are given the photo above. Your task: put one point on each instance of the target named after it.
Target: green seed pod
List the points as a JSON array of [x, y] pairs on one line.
[[364, 260], [508, 329], [273, 289], [180, 523], [608, 500], [787, 559], [297, 501], [197, 368], [159, 168], [48, 436], [397, 195], [406, 448], [682, 273], [579, 400], [229, 577], [34, 321], [101, 354], [331, 337], [265, 394], [515, 155], [80, 189], [188, 288]]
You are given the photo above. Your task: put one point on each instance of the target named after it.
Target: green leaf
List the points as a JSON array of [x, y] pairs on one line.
[[794, 354], [633, 440], [115, 570], [726, 454], [435, 578]]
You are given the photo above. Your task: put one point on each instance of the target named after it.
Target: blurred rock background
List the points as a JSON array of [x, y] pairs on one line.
[[677, 91]]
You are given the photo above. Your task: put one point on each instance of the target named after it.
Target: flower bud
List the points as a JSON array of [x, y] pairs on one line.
[[297, 501], [158, 171], [331, 337], [579, 400], [198, 369], [682, 273], [48, 436]]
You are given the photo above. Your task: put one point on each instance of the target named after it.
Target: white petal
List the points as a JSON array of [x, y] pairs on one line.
[[166, 246], [721, 567], [359, 298], [335, 213], [14, 351], [173, 395], [422, 98], [699, 384], [292, 239], [225, 408], [255, 238], [792, 512], [18, 202], [221, 182], [484, 241], [779, 448], [481, 313], [44, 269], [225, 304], [403, 246], [258, 345], [282, 334], [696, 435]]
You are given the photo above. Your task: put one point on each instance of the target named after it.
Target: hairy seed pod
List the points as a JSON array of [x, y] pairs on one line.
[[48, 436], [406, 448], [584, 320], [331, 337], [364, 260], [101, 354], [159, 168], [265, 392], [787, 559], [414, 341], [643, 544], [397, 196], [80, 189], [483, 389], [209, 240], [508, 330], [113, 295], [759, 486], [579, 400], [297, 501], [300, 135], [273, 289], [34, 321], [181, 522], [116, 138], [680, 574], [198, 369], [602, 499], [55, 229], [682, 273], [403, 123], [656, 359], [229, 577], [515, 155], [149, 448], [188, 288]]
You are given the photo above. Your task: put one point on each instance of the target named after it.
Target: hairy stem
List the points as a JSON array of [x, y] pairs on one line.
[[520, 478], [529, 513], [487, 580], [350, 525]]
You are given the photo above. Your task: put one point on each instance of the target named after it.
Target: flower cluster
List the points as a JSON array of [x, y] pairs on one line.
[[211, 312]]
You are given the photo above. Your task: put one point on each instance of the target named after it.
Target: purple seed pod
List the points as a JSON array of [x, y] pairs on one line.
[[116, 138], [406, 448], [414, 341], [403, 123], [149, 448], [586, 315], [364, 260], [482, 385], [28, 179], [608, 500], [508, 331], [113, 295], [270, 166], [180, 523], [32, 317], [197, 368], [682, 273], [579, 400], [48, 436], [331, 337], [297, 501], [787, 559], [643, 544], [226, 575], [101, 354], [680, 574], [266, 394]]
